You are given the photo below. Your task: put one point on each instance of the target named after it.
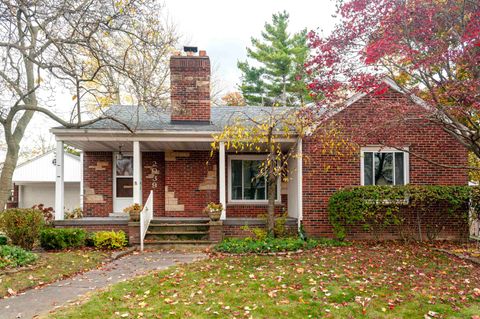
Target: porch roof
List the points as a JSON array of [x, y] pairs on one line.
[[153, 128]]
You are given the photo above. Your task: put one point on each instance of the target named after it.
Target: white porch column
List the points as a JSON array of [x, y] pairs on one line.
[[222, 180], [137, 173], [59, 182], [299, 181], [81, 181]]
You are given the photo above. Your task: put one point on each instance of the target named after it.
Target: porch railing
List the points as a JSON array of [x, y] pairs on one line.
[[146, 217]]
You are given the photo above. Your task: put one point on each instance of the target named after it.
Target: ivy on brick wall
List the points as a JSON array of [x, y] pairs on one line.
[[376, 208]]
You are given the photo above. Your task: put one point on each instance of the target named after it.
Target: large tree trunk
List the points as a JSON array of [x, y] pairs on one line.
[[11, 159], [272, 190]]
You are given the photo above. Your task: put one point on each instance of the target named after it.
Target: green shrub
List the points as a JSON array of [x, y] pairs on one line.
[[258, 233], [377, 207], [110, 239], [89, 240], [3, 240], [22, 226], [62, 238], [269, 244], [11, 256]]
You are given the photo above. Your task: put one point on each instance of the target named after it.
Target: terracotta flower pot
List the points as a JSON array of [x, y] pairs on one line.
[[135, 215], [215, 215]]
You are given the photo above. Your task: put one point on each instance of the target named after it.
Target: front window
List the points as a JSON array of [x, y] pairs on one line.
[[384, 167], [245, 184]]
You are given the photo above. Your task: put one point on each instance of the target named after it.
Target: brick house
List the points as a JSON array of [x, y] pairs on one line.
[[167, 163]]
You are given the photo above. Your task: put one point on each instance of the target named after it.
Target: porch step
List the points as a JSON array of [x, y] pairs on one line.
[[179, 220], [177, 225], [179, 242], [178, 231]]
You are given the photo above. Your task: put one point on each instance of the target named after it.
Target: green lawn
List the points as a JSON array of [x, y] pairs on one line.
[[51, 266], [390, 281]]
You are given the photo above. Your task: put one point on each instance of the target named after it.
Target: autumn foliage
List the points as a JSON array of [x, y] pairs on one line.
[[424, 48]]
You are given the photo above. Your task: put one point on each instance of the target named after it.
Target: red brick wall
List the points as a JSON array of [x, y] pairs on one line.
[[97, 176], [253, 211], [190, 88], [324, 174], [152, 181], [184, 176]]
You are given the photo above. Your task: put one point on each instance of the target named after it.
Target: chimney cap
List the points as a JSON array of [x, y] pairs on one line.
[[190, 49]]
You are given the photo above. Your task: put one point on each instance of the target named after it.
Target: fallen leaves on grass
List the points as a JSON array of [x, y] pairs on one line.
[[354, 281]]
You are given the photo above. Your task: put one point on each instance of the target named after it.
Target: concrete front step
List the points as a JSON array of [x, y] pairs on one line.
[[177, 237], [166, 231], [180, 220], [176, 242], [178, 225], [180, 232]]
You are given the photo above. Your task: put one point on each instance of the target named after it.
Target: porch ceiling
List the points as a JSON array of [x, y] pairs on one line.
[[146, 146]]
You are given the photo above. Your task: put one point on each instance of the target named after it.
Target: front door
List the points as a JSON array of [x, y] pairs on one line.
[[122, 182]]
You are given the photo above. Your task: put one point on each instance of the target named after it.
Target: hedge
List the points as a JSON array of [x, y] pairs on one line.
[[376, 207], [62, 238], [273, 245]]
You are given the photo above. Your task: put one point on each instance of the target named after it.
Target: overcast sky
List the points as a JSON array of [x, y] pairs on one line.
[[224, 28]]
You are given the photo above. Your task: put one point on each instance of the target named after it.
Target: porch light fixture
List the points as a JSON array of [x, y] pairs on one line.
[[120, 155]]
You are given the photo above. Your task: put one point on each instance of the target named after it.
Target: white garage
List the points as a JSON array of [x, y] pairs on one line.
[[36, 181]]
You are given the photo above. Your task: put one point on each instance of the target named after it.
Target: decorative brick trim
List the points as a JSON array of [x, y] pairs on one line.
[[171, 156], [171, 203], [92, 198], [99, 166], [210, 182]]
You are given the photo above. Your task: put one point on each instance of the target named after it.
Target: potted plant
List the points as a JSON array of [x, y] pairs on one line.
[[134, 212], [214, 211]]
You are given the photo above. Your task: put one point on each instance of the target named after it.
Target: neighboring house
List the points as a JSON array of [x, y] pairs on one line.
[[34, 181], [169, 156]]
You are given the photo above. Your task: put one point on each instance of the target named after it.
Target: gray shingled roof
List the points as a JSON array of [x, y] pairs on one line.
[[149, 118]]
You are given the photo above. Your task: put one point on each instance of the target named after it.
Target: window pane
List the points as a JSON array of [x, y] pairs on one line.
[[367, 168], [383, 168], [124, 187], [125, 166], [399, 169], [266, 190], [236, 179], [253, 188]]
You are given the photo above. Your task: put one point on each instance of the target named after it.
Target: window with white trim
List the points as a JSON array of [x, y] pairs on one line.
[[384, 167], [244, 183]]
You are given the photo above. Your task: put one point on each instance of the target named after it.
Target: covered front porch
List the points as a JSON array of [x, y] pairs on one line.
[[179, 172]]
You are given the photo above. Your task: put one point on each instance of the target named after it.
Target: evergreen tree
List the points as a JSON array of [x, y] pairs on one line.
[[279, 76]]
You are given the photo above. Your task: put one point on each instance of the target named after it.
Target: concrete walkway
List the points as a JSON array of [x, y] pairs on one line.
[[39, 301]]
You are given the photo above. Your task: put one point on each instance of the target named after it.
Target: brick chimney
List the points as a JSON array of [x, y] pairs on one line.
[[190, 87]]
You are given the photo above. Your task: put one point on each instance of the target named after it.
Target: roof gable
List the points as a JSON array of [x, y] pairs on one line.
[[42, 169]]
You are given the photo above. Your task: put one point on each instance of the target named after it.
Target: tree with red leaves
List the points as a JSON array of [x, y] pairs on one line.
[[428, 49]]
